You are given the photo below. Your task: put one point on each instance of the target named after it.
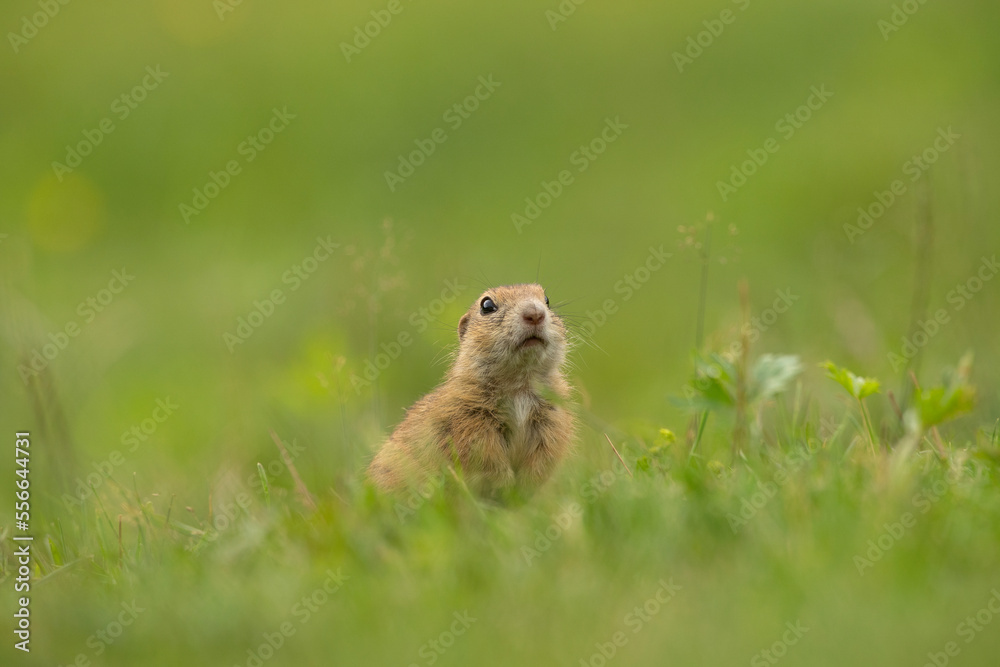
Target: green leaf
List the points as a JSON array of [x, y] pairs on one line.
[[57, 558], [858, 387], [713, 386], [938, 405], [772, 375], [263, 481], [668, 436], [941, 404]]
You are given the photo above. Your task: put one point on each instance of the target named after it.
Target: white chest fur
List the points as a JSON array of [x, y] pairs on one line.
[[520, 409], [522, 406]]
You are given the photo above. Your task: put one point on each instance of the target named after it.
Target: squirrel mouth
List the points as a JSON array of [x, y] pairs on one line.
[[532, 341]]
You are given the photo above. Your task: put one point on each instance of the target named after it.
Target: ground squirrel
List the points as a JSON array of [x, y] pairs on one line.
[[500, 412]]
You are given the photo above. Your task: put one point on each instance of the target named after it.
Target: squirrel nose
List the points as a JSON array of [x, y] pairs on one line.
[[533, 314]]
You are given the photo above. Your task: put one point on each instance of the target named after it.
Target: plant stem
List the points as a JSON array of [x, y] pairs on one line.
[[922, 277], [701, 429], [699, 332], [706, 258], [868, 425], [625, 465], [740, 427]]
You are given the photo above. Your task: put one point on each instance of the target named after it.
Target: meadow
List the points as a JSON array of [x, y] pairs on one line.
[[236, 239]]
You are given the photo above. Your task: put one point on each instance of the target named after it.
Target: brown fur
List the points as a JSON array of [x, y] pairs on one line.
[[499, 413]]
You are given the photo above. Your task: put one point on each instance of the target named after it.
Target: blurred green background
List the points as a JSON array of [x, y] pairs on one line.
[[450, 222]]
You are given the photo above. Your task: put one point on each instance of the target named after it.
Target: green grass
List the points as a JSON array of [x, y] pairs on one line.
[[880, 563], [200, 521]]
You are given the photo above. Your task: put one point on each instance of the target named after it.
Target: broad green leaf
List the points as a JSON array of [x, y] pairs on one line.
[[772, 375], [856, 386], [713, 386], [937, 405]]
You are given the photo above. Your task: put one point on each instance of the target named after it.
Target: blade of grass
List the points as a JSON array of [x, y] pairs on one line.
[[618, 455], [263, 480], [697, 439], [868, 425], [170, 507], [300, 487]]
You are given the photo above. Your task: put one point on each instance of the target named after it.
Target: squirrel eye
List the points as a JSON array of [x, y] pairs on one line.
[[546, 299], [487, 306]]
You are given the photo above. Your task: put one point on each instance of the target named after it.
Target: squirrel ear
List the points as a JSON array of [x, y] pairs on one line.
[[463, 324]]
